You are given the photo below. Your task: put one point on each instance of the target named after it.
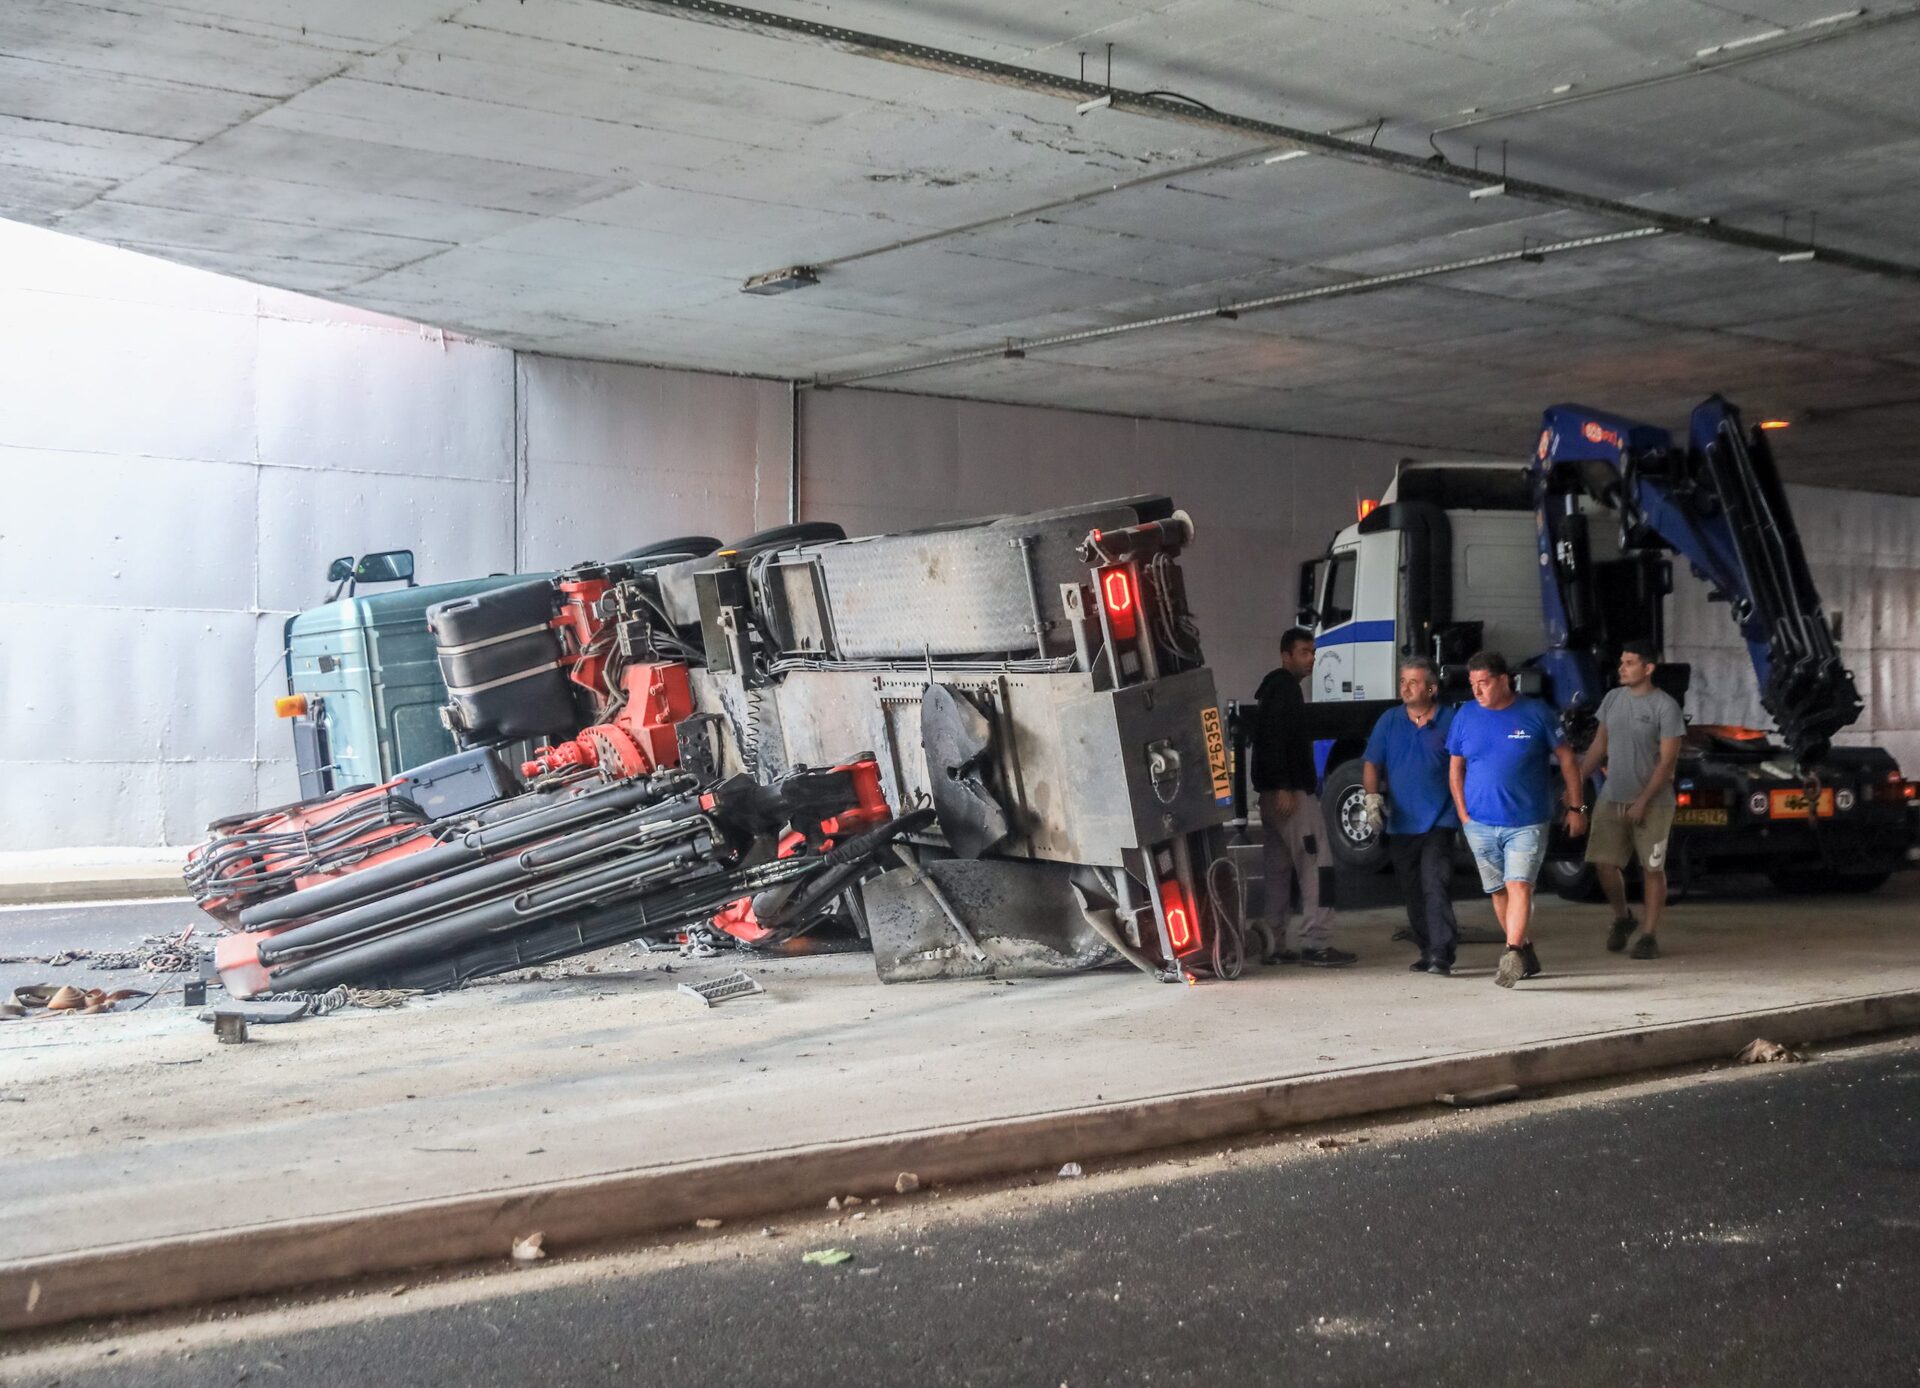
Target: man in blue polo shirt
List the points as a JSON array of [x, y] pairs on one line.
[[1409, 749], [1503, 748]]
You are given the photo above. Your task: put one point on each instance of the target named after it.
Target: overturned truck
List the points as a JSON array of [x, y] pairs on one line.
[[990, 748]]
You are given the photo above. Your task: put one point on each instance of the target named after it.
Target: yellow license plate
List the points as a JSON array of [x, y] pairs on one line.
[[1792, 804], [1216, 755], [1712, 818]]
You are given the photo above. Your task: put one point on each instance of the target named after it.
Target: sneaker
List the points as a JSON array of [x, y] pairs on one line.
[[1512, 969], [1646, 947], [1328, 958], [1441, 967], [1532, 960], [1620, 932]]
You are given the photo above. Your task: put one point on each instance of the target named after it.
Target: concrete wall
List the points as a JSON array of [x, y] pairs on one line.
[[184, 453], [1864, 549]]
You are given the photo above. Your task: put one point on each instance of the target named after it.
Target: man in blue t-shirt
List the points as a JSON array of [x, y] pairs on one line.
[[1502, 748], [1408, 748]]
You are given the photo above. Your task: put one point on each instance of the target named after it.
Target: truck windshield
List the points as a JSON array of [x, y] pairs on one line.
[[1338, 607]]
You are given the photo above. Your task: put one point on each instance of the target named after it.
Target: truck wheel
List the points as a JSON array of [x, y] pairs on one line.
[[1343, 802], [1573, 879], [1812, 881]]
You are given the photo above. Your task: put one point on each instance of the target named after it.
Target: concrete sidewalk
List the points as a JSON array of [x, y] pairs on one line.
[[60, 875], [127, 1130]]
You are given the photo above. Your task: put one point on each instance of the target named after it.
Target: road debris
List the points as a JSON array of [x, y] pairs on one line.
[[1761, 1051], [1071, 1171], [713, 991], [1479, 1098], [833, 1202], [530, 1249], [905, 1183], [229, 1028], [708, 1223], [827, 1257]]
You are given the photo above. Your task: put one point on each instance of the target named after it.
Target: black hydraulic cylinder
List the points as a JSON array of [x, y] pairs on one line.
[[471, 847], [448, 933], [485, 879]]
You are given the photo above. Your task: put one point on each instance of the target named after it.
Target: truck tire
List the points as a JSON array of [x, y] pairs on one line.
[[799, 533], [1341, 801], [1812, 881], [1572, 878]]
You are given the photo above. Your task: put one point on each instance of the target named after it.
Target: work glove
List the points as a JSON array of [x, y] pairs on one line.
[[1376, 812]]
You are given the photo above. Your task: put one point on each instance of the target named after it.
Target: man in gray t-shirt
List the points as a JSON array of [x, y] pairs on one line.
[[1638, 742]]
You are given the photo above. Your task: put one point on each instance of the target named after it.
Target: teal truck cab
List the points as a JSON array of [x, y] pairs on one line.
[[364, 689]]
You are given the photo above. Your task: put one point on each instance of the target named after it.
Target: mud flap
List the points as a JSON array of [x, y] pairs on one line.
[[1023, 915]]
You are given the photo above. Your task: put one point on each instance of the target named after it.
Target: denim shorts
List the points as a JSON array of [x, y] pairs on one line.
[[1507, 854]]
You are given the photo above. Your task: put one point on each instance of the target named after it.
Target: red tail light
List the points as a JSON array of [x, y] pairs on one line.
[[1183, 932], [1119, 600], [1683, 799]]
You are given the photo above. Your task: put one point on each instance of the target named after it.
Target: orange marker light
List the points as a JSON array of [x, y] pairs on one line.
[[1181, 932], [1776, 424], [1368, 506], [1117, 597], [292, 706]]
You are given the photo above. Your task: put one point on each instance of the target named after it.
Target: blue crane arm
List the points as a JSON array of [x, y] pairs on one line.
[[1719, 504]]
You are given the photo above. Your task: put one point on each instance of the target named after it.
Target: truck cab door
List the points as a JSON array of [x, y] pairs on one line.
[[1354, 653]]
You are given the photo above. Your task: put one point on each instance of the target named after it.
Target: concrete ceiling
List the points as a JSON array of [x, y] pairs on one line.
[[590, 178]]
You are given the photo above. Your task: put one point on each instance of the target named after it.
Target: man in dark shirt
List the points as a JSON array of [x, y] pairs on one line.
[[1293, 831]]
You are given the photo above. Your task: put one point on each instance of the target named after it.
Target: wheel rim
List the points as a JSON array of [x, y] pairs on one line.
[[1353, 820]]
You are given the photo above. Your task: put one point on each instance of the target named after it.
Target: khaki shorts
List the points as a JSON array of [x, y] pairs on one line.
[[1613, 839]]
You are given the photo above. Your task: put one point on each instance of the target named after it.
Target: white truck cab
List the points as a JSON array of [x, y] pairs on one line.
[[1446, 563]]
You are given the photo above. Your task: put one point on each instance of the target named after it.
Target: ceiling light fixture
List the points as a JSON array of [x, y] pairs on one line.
[[1796, 257], [1491, 190], [780, 281], [1282, 158], [1093, 105]]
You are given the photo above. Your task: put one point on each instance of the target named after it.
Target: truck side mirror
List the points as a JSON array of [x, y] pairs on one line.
[[341, 569], [387, 566]]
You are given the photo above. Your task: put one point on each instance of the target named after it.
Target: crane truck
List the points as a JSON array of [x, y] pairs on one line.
[[1517, 557]]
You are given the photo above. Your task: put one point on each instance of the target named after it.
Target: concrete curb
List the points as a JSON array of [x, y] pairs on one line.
[[59, 891], [580, 1213]]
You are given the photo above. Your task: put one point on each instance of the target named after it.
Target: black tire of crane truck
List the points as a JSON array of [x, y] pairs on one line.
[[1815, 881], [1342, 801], [1573, 879]]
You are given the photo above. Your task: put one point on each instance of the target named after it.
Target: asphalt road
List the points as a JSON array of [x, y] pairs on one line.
[[1758, 1228], [44, 931]]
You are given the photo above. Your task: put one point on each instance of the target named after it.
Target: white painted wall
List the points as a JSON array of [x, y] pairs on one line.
[[1864, 550], [183, 454]]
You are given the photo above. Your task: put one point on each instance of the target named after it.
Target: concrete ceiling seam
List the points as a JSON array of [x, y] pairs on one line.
[[1188, 112], [1737, 53], [1019, 347]]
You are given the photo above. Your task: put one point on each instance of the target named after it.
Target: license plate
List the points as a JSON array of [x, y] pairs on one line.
[[1711, 818], [1216, 741], [1792, 804]]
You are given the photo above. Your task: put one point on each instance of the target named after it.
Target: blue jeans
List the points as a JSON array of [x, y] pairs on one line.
[[1507, 853]]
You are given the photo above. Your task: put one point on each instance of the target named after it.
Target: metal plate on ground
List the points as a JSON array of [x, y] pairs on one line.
[[714, 991], [1022, 914]]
